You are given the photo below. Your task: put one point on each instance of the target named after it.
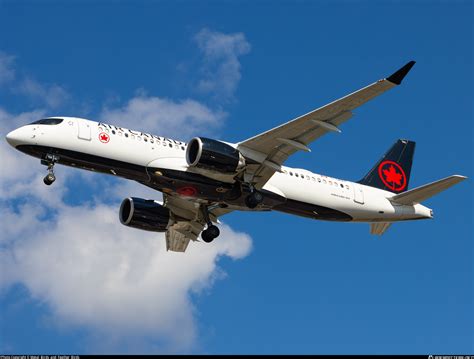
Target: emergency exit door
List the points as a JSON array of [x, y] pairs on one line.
[[358, 194], [84, 130]]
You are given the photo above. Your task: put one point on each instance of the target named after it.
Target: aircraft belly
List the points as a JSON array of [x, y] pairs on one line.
[[89, 162], [312, 199]]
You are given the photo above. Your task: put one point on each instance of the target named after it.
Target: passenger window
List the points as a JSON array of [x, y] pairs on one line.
[[291, 173]]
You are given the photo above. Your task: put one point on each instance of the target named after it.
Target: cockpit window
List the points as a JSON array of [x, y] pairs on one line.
[[48, 121]]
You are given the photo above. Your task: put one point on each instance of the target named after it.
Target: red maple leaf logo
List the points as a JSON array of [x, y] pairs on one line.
[[392, 176], [103, 137]]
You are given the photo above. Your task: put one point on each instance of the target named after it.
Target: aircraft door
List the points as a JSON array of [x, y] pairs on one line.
[[358, 194], [84, 130]]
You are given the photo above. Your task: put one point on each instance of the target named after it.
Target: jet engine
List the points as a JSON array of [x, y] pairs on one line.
[[144, 214], [214, 155]]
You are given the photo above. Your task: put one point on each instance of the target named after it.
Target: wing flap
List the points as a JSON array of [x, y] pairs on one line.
[[180, 234], [188, 221]]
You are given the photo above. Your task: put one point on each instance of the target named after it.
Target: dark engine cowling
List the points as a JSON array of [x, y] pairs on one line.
[[144, 214], [213, 155]]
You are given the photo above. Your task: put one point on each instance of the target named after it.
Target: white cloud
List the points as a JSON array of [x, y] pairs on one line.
[[53, 95], [91, 271], [221, 65], [119, 281], [165, 117], [7, 73]]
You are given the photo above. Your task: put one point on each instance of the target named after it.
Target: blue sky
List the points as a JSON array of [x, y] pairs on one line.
[[275, 283]]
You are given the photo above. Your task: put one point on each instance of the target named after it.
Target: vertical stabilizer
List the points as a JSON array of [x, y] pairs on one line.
[[392, 171]]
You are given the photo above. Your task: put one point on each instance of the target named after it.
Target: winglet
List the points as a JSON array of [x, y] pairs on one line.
[[398, 76]]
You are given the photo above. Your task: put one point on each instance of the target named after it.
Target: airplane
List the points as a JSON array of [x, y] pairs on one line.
[[206, 178]]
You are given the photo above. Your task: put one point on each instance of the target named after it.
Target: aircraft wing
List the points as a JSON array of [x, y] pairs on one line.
[[188, 222], [271, 148]]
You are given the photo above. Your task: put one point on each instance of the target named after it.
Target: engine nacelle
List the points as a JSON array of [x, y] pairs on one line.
[[214, 155], [144, 214]]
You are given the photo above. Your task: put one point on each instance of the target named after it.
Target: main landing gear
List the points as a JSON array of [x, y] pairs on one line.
[[253, 199], [212, 231], [49, 161]]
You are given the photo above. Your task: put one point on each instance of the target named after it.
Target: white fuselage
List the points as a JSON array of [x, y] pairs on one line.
[[361, 203]]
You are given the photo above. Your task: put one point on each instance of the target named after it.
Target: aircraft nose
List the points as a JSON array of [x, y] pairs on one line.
[[15, 137]]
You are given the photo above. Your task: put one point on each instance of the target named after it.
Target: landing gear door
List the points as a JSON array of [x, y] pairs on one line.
[[358, 194], [84, 130]]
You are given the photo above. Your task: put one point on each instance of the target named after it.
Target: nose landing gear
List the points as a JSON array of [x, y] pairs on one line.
[[49, 161], [49, 178]]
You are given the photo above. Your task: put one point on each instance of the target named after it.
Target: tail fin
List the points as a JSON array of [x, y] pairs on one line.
[[392, 171]]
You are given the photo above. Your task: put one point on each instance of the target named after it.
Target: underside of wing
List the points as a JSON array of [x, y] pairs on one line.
[[271, 148], [187, 221], [180, 233]]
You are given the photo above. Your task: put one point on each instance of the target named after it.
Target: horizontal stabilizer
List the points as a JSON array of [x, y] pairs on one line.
[[379, 228], [419, 194]]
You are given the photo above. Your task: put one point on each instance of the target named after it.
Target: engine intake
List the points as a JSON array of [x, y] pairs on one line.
[[144, 214], [213, 155]]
